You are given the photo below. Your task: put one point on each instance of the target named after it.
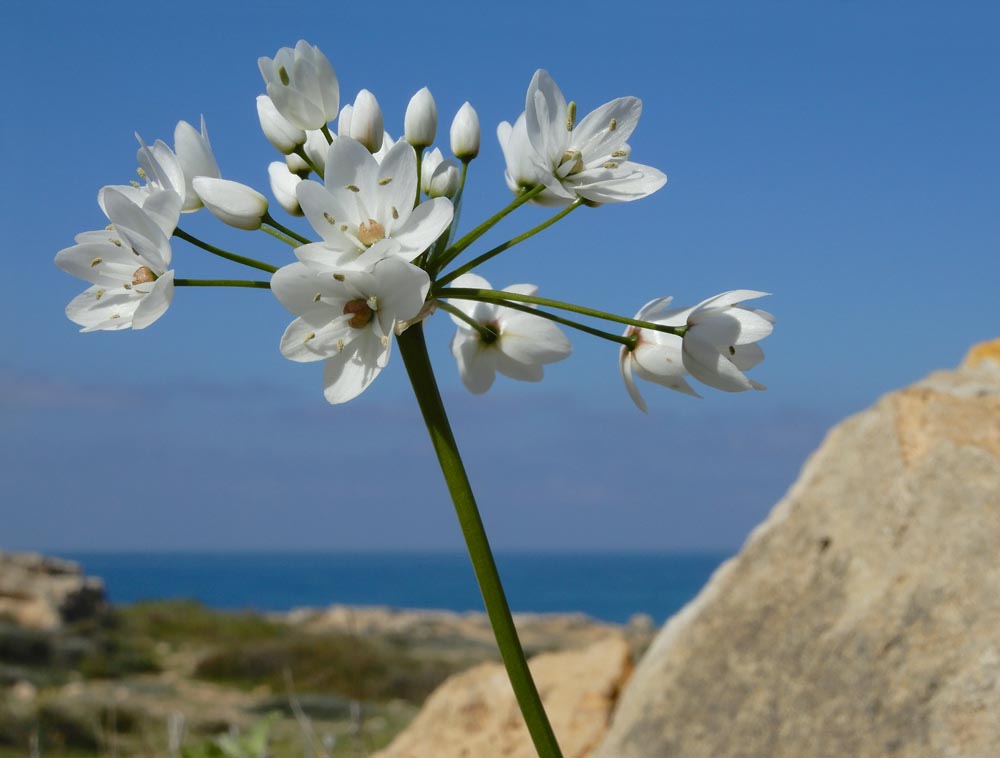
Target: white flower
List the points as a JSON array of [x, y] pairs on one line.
[[164, 170], [589, 159], [366, 121], [656, 357], [194, 154], [347, 317], [283, 184], [127, 263], [465, 133], [231, 202], [439, 176], [364, 202], [718, 344], [344, 121], [420, 121], [302, 85], [519, 343], [280, 132]]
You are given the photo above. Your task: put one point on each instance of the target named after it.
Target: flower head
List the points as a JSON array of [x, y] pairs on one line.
[[464, 133], [127, 264], [364, 202], [589, 159], [718, 344], [347, 317], [420, 121], [302, 85], [510, 341]]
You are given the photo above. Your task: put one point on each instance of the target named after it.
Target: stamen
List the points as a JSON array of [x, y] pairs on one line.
[[96, 261], [732, 350], [114, 241], [385, 181], [353, 187], [373, 302], [134, 183], [329, 219], [385, 341], [395, 213], [116, 315], [610, 164], [99, 294], [571, 116], [343, 227], [142, 173], [283, 75], [310, 336], [339, 277], [317, 297], [620, 154], [613, 125], [340, 346]]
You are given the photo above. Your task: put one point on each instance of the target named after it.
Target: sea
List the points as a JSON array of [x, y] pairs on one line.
[[607, 586]]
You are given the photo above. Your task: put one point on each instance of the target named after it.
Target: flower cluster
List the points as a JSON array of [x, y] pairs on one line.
[[382, 214]]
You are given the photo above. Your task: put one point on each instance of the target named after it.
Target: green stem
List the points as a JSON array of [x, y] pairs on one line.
[[178, 232], [326, 133], [629, 341], [279, 236], [222, 283], [509, 244], [269, 220], [301, 152], [413, 348], [455, 250], [499, 296], [486, 334]]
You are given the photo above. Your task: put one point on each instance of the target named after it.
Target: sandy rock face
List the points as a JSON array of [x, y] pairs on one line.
[[474, 714], [39, 592], [862, 618]]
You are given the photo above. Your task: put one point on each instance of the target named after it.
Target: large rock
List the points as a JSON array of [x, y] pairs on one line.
[[39, 592], [862, 618], [474, 714]]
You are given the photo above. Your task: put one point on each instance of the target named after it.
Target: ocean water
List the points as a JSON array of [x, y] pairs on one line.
[[606, 586]]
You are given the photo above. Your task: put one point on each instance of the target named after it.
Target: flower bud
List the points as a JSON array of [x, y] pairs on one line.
[[439, 176], [194, 154], [465, 133], [420, 122], [344, 121], [316, 148], [279, 131], [296, 164], [283, 184], [366, 121], [231, 202]]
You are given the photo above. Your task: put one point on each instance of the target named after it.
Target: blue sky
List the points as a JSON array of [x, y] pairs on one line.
[[840, 155]]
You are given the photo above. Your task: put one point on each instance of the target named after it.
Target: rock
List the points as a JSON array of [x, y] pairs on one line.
[[862, 618], [474, 714], [39, 592]]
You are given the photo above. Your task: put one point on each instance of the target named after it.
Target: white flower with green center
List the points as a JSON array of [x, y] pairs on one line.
[[718, 344], [347, 317], [515, 343], [127, 263], [364, 202], [302, 85], [589, 159]]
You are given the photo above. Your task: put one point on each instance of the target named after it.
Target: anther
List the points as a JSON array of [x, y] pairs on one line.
[[613, 125], [385, 181], [310, 336], [134, 183], [96, 261], [339, 277], [732, 350], [99, 294], [340, 346], [610, 164], [283, 75], [317, 297], [142, 173], [353, 187], [395, 213], [114, 241], [571, 116], [329, 219], [620, 154]]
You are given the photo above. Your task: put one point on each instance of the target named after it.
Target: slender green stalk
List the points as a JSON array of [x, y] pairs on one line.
[[455, 250], [222, 283], [420, 163], [269, 220], [486, 334], [252, 263], [301, 152], [413, 348], [279, 236], [509, 244], [500, 296], [326, 133], [629, 341]]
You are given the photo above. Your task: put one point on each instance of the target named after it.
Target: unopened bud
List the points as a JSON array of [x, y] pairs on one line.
[[465, 133], [420, 122], [279, 131], [231, 202], [344, 121], [366, 121], [283, 184], [439, 176]]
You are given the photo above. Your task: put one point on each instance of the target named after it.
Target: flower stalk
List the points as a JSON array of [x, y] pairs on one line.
[[250, 283], [251, 262], [413, 349]]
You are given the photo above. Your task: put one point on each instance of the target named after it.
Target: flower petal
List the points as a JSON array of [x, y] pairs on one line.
[[155, 303], [346, 374], [349, 165], [397, 186], [625, 366], [594, 135], [545, 118], [709, 366], [426, 223], [102, 309], [476, 362], [531, 339]]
